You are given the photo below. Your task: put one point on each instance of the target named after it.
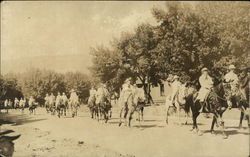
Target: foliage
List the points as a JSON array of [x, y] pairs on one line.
[[38, 83], [186, 39]]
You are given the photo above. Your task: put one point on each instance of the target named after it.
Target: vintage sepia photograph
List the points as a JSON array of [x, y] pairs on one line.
[[124, 79]]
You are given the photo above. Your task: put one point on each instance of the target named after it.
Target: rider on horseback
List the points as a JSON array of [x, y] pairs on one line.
[[31, 101], [126, 92], [58, 99], [175, 88], [232, 79], [206, 83], [92, 94]]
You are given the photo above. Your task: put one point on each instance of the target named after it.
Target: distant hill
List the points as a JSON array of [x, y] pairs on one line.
[[61, 63]]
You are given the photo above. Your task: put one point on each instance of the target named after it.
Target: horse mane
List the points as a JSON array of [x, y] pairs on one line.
[[219, 89]]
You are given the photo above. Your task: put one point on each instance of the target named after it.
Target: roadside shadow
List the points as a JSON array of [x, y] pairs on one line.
[[115, 122], [143, 126], [236, 127], [151, 120], [188, 124], [228, 132], [17, 119]]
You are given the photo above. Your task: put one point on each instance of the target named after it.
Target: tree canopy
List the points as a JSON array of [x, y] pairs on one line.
[[186, 39]]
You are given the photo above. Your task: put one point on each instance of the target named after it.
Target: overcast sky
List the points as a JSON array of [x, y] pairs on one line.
[[58, 35]]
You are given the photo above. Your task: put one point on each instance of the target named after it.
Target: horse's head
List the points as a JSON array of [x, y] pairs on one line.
[[7, 145], [223, 90]]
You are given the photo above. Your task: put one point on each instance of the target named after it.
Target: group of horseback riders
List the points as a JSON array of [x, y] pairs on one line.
[[206, 85], [211, 97], [19, 104], [230, 91], [99, 100], [61, 102]]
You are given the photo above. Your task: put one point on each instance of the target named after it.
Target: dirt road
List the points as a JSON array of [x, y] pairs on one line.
[[46, 135]]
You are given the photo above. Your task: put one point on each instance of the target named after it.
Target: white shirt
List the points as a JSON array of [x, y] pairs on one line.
[[92, 92], [64, 98], [231, 76], [73, 97], [206, 81], [31, 101]]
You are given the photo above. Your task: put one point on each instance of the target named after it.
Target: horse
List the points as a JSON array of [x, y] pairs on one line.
[[239, 98], [47, 106], [52, 107], [74, 106], [6, 143], [182, 100], [61, 108], [33, 107], [93, 107], [104, 108], [216, 104], [133, 104]]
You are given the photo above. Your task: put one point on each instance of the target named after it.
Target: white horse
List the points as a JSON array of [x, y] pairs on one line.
[[182, 100]]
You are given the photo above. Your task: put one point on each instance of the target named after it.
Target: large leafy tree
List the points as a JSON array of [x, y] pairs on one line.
[[37, 83], [108, 67], [9, 88], [188, 41], [232, 22]]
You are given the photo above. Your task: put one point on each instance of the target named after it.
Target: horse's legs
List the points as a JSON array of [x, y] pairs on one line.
[[221, 122], [212, 126], [141, 110], [186, 116], [110, 113], [167, 110], [178, 113], [125, 115], [65, 110], [241, 119], [195, 126], [131, 115], [121, 116]]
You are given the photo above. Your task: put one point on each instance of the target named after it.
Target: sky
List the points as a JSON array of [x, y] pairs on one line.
[[58, 35]]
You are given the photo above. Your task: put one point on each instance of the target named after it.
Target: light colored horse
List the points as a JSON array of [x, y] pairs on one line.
[[182, 100], [74, 107], [133, 104]]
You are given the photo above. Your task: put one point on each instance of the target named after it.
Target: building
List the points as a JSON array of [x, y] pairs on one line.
[[159, 92]]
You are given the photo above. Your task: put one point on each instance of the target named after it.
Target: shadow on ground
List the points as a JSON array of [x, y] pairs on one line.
[[17, 119]]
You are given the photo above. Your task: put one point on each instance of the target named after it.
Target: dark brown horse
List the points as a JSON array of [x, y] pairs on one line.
[[216, 104], [6, 143]]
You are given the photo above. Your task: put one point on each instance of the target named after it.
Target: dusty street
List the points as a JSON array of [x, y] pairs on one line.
[[46, 135]]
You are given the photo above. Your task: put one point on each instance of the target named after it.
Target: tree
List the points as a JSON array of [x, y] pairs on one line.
[[108, 67], [79, 82], [232, 20], [9, 88], [38, 83]]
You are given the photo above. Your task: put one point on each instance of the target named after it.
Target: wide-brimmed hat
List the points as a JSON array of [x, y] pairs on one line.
[[127, 80], [231, 67], [204, 69], [176, 77]]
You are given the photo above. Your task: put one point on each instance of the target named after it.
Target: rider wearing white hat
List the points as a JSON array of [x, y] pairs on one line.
[[232, 78], [125, 92], [102, 92], [206, 83]]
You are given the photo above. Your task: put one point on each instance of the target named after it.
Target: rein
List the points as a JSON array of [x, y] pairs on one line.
[[218, 96]]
